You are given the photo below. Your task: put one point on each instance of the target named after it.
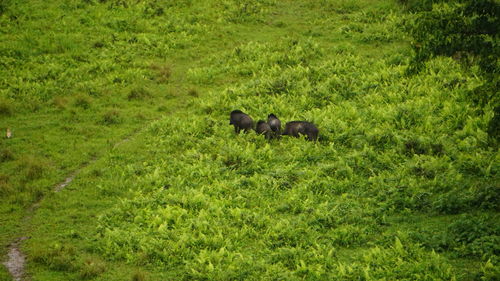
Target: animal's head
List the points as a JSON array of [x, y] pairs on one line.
[[271, 116]]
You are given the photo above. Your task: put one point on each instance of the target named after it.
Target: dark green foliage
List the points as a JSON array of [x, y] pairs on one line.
[[6, 155], [468, 235], [494, 125], [4, 6], [475, 235], [464, 29], [468, 31]]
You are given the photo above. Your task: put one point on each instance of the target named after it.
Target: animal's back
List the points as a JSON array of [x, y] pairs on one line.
[[262, 127], [274, 123], [293, 128], [245, 121]]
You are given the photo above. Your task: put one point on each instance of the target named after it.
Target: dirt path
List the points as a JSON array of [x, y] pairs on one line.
[[16, 259]]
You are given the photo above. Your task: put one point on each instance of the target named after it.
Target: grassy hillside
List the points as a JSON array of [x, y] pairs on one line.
[[402, 184]]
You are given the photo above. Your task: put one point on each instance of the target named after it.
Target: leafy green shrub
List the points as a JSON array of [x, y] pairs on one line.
[[487, 197], [476, 235], [489, 272], [464, 30], [396, 263], [469, 235]]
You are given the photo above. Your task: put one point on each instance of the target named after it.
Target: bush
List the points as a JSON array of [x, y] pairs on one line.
[[475, 235], [399, 262], [465, 30]]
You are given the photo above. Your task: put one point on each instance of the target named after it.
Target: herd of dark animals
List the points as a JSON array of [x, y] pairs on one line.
[[272, 128]]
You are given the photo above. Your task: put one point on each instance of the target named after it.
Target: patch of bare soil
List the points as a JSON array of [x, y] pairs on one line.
[[16, 260]]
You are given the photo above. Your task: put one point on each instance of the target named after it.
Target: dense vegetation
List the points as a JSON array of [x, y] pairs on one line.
[[468, 31], [403, 182]]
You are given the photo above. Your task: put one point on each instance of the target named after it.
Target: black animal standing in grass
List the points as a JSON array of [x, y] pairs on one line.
[[297, 128], [264, 128], [274, 123], [240, 121]]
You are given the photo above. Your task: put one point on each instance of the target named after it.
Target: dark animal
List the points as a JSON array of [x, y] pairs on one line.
[[263, 128], [240, 121], [296, 128], [274, 123]]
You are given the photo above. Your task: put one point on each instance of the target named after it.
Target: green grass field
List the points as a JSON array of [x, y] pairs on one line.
[[133, 97]]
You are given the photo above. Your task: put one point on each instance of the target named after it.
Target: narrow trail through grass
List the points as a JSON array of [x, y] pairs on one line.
[[16, 259]]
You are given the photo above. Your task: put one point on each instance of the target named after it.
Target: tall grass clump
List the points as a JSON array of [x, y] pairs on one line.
[[139, 93], [83, 101], [111, 117], [6, 155], [32, 167], [91, 268], [6, 107]]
